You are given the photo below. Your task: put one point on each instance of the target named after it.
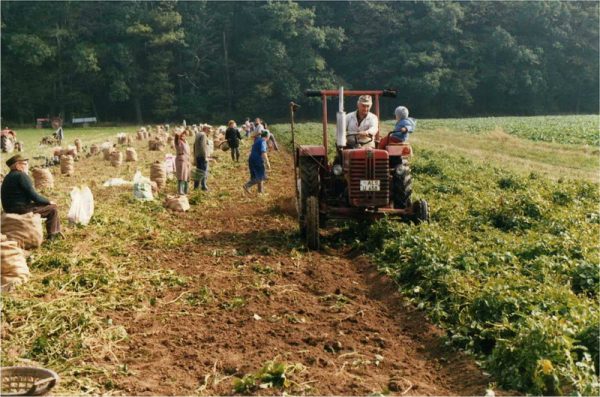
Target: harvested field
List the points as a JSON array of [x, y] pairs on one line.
[[145, 301]]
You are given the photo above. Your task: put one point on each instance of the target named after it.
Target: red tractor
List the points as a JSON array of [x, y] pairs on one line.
[[361, 184]]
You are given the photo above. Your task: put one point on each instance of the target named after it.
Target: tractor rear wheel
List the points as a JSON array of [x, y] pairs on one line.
[[420, 211], [402, 185], [309, 186], [312, 223]]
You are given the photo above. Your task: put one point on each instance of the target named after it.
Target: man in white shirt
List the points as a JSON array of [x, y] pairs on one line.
[[362, 125]]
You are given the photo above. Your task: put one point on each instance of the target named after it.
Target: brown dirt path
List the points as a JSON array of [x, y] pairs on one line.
[[256, 295]]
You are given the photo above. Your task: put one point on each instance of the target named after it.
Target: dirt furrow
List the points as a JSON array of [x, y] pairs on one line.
[[254, 295]]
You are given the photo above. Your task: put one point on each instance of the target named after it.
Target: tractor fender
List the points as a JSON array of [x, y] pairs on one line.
[[404, 150], [315, 151]]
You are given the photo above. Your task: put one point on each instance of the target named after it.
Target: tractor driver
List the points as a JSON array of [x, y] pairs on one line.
[[362, 125]]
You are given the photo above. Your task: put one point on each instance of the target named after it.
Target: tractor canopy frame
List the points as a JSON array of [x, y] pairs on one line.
[[324, 94]]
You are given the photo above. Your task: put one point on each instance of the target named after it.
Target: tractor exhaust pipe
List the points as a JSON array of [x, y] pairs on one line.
[[340, 126]]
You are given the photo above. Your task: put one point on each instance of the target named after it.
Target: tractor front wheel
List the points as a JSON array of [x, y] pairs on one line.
[[312, 223]]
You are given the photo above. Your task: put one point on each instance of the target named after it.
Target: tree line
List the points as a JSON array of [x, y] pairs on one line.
[[139, 61]]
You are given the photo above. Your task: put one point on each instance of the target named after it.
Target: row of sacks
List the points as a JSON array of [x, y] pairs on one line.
[[116, 156], [70, 150], [123, 139]]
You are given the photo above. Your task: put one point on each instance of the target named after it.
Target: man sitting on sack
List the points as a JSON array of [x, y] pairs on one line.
[[362, 125], [20, 197]]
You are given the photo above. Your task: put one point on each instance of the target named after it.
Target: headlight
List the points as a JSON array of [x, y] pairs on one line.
[[337, 170]]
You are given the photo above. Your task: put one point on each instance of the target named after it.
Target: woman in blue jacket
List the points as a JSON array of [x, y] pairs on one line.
[[257, 161]]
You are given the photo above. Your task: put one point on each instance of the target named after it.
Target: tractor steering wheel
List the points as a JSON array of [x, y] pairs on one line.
[[356, 140]]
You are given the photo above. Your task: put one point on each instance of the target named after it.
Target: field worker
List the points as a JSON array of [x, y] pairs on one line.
[[261, 125], [362, 125], [7, 138], [258, 128], [233, 137], [182, 162], [20, 197], [404, 126], [257, 161], [201, 157], [248, 127], [59, 134]]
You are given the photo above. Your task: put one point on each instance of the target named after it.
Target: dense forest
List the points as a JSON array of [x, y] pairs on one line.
[[139, 61]]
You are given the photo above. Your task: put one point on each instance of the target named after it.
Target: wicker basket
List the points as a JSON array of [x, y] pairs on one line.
[[27, 381]]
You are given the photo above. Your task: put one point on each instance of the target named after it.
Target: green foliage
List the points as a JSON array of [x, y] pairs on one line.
[[273, 374], [167, 60], [508, 267], [561, 129], [586, 278]]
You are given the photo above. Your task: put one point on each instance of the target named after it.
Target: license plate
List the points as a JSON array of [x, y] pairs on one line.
[[369, 185]]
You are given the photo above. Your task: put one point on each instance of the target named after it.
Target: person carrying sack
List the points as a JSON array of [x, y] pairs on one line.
[[20, 197]]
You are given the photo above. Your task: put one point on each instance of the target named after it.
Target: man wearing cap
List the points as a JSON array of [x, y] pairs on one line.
[[19, 196], [201, 157], [362, 125]]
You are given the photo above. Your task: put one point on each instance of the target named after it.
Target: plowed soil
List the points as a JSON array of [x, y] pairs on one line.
[[255, 295]]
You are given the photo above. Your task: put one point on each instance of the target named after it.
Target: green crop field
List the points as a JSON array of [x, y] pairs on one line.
[[583, 130], [509, 264]]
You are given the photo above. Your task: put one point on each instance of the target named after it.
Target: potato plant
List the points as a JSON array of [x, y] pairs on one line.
[[508, 266]]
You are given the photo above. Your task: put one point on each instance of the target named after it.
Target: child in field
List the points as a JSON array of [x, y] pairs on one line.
[[404, 126]]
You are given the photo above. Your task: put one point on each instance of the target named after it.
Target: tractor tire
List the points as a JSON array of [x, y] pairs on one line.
[[420, 211], [309, 186], [312, 223], [402, 185]]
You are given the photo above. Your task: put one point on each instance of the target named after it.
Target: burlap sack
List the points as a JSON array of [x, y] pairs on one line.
[[106, 152], [71, 150], [130, 154], [94, 149], [57, 151], [13, 265], [177, 203], [42, 178], [116, 159], [25, 229], [121, 138], [78, 145], [66, 165], [158, 174]]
